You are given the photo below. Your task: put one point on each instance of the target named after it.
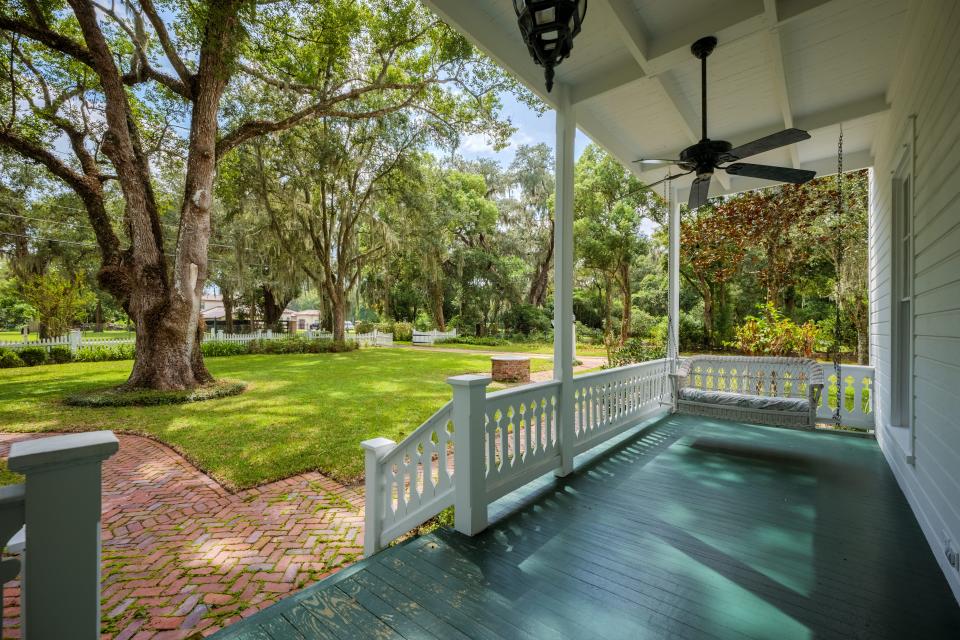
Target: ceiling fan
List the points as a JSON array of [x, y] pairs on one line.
[[708, 155]]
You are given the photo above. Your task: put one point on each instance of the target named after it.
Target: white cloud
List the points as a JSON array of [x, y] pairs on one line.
[[476, 143]]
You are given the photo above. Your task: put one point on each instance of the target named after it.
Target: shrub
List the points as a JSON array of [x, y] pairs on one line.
[[775, 335], [214, 348], [402, 331], [526, 319], [102, 353], [636, 350], [363, 327], [483, 341], [10, 359], [32, 356], [294, 344], [59, 355], [116, 397]]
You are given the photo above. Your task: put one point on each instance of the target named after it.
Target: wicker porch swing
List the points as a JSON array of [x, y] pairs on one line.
[[776, 391]]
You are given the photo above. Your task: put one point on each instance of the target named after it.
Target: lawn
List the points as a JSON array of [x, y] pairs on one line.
[[301, 412], [524, 347]]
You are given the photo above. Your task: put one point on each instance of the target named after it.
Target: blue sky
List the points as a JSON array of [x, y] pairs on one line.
[[532, 128]]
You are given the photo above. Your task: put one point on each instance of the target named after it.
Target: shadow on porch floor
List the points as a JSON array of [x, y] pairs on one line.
[[693, 529]]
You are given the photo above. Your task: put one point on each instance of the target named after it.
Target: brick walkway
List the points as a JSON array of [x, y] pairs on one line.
[[183, 557]]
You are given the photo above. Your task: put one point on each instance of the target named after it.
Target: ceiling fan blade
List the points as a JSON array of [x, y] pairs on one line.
[[699, 191], [773, 141], [668, 178], [767, 172]]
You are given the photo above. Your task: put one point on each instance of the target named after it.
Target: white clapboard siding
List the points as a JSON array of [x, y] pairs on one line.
[[927, 86]]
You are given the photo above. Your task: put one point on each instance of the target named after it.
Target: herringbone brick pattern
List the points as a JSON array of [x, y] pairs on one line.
[[183, 557]]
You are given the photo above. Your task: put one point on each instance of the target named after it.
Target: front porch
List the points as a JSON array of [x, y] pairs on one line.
[[686, 528]]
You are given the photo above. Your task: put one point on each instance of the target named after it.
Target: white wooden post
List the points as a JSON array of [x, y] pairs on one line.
[[563, 276], [269, 334], [62, 578], [470, 482], [673, 285], [375, 494], [74, 338]]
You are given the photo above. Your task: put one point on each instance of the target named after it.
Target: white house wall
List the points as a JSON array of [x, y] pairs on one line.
[[928, 86]]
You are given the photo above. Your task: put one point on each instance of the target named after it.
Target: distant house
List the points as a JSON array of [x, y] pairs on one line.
[[304, 318]]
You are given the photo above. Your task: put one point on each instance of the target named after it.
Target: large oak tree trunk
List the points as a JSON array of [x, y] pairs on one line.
[[541, 276]]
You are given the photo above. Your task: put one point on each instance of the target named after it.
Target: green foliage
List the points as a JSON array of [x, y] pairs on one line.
[[9, 359], [14, 313], [402, 331], [294, 344], [59, 355], [772, 334], [364, 326], [526, 319], [118, 397], [32, 356], [216, 348], [636, 350], [104, 353], [484, 341], [59, 301]]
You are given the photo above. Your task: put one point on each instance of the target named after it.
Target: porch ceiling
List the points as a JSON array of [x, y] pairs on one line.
[[812, 64]]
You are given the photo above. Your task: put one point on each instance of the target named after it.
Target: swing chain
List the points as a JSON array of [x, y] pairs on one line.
[[838, 248]]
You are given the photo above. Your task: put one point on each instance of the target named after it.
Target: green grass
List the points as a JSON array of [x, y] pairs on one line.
[[7, 476], [14, 336], [523, 347], [299, 413]]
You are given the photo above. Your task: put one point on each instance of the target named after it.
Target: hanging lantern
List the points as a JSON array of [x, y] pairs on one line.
[[549, 27]]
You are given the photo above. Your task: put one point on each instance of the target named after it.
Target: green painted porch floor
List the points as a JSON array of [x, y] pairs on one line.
[[694, 529]]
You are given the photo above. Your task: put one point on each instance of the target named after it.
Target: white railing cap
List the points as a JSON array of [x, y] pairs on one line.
[[31, 455], [377, 445], [469, 380]]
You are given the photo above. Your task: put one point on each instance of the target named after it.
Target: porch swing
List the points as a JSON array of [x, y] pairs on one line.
[[776, 391]]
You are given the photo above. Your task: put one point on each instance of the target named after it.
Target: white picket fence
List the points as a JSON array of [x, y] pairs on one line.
[[429, 337], [75, 339]]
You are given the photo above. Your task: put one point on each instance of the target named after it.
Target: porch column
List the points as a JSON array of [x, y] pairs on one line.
[[673, 286], [563, 275]]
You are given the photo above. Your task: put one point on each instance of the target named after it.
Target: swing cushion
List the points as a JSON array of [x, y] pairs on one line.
[[770, 403]]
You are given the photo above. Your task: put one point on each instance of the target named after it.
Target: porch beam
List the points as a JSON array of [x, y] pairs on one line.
[[633, 34], [660, 54], [566, 131], [779, 74]]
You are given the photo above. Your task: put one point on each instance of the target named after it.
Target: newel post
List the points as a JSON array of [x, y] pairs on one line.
[[470, 481], [375, 495], [74, 338], [62, 577]]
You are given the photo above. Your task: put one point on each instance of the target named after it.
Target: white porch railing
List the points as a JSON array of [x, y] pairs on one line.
[[497, 444], [429, 337], [857, 395], [60, 505]]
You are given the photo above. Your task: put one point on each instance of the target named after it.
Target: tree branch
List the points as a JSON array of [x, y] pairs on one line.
[[176, 62]]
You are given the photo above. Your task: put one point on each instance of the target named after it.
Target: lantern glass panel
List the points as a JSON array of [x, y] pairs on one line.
[[546, 15]]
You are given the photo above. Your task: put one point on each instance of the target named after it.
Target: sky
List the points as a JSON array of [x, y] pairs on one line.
[[532, 128]]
